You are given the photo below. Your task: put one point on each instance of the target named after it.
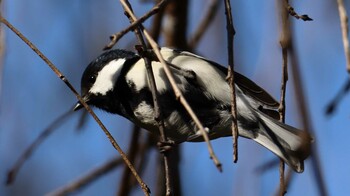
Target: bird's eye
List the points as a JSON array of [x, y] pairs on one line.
[[92, 79]]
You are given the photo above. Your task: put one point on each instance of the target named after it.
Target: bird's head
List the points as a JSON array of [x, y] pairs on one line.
[[101, 75]]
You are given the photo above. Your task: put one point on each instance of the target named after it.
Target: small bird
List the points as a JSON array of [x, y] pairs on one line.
[[117, 82]]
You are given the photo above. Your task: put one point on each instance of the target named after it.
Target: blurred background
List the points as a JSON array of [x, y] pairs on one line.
[[72, 33]]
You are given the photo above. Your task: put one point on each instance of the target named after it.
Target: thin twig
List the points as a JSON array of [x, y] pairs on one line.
[[203, 25], [332, 106], [175, 36], [288, 178], [88, 178], [159, 176], [82, 120], [287, 181], [157, 23], [178, 94], [11, 176], [285, 44], [345, 32], [116, 37], [282, 188], [65, 80], [292, 12], [306, 121], [176, 15], [145, 147], [125, 183], [157, 110], [230, 75], [2, 51]]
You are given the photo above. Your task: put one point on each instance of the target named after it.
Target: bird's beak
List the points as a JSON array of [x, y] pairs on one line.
[[78, 106]]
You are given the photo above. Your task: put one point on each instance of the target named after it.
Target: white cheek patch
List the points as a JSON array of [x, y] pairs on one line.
[[107, 77]]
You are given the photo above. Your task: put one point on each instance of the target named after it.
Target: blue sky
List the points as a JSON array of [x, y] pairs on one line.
[[72, 33]]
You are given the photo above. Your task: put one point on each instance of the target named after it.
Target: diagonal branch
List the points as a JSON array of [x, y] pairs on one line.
[[88, 178], [203, 25], [175, 32], [125, 186], [65, 80], [292, 12], [158, 115], [345, 32], [116, 37], [11, 176], [230, 75], [285, 44], [305, 117], [332, 106], [175, 36], [2, 51], [178, 94]]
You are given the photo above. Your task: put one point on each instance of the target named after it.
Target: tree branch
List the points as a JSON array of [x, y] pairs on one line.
[[12, 174], [306, 121], [175, 36], [285, 44], [230, 76], [345, 32], [116, 37], [125, 186], [65, 80], [158, 114], [87, 179], [292, 12], [332, 106], [204, 24], [175, 33]]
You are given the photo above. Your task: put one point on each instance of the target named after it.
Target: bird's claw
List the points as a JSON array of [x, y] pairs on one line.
[[165, 146]]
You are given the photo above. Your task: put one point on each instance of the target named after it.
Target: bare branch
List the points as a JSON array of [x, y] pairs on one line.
[[345, 32], [87, 179], [287, 181], [116, 37], [306, 121], [176, 15], [2, 51], [204, 24], [285, 44], [292, 12], [82, 119], [230, 76], [145, 147], [125, 186], [156, 26], [339, 96], [64, 79], [158, 114], [11, 176], [175, 36]]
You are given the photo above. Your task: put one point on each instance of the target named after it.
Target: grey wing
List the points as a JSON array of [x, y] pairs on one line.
[[266, 103], [254, 91], [249, 87]]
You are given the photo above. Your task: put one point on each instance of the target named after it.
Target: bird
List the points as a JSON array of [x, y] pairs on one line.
[[117, 82]]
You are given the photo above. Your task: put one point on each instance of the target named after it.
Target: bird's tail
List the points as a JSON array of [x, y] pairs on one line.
[[287, 142]]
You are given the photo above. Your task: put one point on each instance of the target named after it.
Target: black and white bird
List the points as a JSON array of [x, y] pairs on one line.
[[117, 82]]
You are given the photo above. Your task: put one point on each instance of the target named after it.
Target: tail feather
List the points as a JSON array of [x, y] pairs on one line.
[[287, 142]]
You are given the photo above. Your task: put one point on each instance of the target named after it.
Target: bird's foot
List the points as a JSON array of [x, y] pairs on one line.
[[165, 146]]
